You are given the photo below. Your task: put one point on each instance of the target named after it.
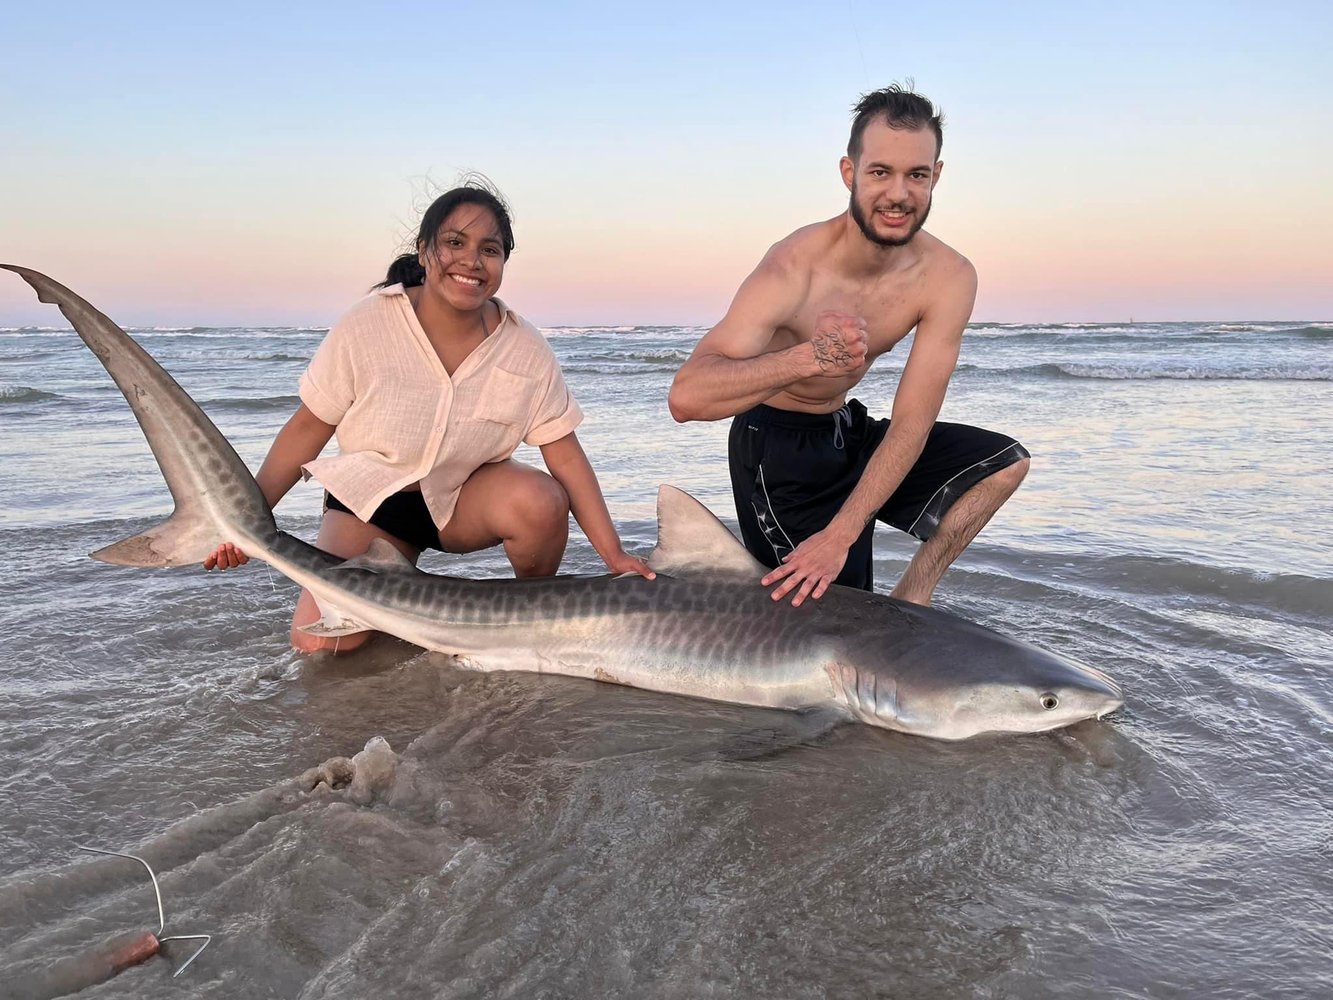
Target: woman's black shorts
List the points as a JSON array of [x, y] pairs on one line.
[[403, 515]]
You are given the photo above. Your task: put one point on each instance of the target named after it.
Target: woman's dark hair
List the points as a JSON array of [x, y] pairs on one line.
[[407, 270]]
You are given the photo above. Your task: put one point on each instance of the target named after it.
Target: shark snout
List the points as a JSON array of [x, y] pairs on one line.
[[1110, 702], [1104, 693]]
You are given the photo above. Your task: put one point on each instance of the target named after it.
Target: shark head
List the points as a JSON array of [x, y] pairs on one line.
[[951, 679]]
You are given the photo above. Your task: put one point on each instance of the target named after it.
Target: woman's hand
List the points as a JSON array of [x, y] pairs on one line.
[[227, 556], [300, 441], [622, 562], [566, 461]]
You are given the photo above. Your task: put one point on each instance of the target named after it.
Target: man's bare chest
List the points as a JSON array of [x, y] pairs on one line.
[[889, 314]]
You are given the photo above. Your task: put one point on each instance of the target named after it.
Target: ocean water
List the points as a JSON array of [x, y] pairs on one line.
[[535, 836]]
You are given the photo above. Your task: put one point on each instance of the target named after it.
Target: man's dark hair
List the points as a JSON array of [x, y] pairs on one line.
[[900, 108]]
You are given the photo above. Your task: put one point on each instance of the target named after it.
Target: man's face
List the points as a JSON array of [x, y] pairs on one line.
[[891, 182]]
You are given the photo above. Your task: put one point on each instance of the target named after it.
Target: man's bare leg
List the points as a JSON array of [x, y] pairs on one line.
[[960, 525]]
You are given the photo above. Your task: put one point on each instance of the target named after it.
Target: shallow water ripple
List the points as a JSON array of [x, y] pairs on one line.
[[546, 837]]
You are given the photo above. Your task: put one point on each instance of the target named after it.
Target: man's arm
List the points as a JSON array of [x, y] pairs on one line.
[[731, 369], [813, 566]]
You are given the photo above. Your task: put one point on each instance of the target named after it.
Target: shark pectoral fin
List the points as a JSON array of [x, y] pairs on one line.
[[692, 542], [807, 727], [180, 540], [381, 557], [333, 627], [332, 622]]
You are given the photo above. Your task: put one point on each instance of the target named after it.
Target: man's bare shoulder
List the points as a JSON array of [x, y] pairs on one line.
[[950, 289], [797, 253], [944, 264]]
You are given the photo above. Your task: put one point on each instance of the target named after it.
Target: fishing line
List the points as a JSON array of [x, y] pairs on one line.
[[851, 19]]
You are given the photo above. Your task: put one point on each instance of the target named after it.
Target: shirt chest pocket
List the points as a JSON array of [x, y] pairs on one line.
[[506, 398], [499, 415]]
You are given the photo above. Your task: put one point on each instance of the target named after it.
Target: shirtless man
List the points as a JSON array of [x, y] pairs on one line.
[[811, 471]]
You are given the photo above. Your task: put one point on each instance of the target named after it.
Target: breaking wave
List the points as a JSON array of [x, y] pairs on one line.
[[612, 361], [259, 405], [228, 332], [1160, 371], [24, 394], [625, 332]]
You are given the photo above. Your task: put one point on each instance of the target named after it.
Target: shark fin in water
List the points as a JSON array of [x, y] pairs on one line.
[[692, 542]]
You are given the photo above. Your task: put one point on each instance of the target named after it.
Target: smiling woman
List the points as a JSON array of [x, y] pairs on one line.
[[430, 384]]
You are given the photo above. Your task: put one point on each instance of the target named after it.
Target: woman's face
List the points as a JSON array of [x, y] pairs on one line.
[[467, 260]]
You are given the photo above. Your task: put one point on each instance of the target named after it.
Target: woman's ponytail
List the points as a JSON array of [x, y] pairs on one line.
[[406, 271]]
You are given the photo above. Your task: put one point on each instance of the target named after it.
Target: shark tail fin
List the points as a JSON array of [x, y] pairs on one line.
[[217, 499]]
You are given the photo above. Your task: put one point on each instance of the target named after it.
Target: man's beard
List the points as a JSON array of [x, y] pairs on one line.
[[884, 241]]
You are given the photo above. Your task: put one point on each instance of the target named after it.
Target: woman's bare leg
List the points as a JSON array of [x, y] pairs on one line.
[[340, 534], [515, 504]]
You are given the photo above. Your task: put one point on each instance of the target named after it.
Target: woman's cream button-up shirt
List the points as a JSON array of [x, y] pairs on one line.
[[401, 418]]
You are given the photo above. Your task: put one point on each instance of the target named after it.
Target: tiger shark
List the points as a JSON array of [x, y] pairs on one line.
[[705, 628]]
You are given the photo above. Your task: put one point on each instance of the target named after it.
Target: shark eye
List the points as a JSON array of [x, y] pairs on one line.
[[1049, 701]]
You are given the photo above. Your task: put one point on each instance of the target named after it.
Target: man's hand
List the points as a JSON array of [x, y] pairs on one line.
[[839, 343], [812, 567]]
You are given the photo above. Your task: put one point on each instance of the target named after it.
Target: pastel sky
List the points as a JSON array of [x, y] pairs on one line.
[[260, 164]]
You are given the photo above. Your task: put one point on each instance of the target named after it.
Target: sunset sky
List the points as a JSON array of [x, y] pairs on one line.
[[260, 164]]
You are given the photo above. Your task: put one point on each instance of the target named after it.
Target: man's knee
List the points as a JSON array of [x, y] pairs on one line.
[[990, 493], [1012, 475], [1004, 481]]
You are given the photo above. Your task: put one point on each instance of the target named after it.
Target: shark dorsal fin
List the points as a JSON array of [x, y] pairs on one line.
[[692, 542], [381, 557]]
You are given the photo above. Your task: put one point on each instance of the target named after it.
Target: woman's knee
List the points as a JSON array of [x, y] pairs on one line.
[[303, 642], [505, 502], [541, 503], [306, 613]]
